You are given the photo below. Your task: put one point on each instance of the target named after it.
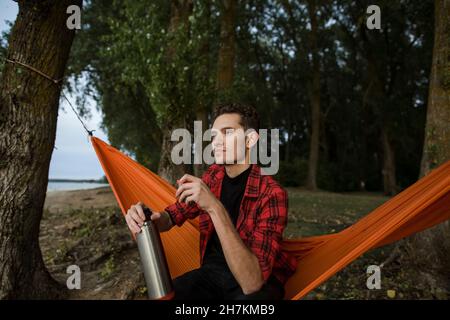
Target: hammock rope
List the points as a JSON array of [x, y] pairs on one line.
[[54, 81]]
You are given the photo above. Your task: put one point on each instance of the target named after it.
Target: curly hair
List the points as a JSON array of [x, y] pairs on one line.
[[248, 114]]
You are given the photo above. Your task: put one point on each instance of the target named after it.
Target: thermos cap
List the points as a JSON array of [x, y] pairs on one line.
[[147, 213]]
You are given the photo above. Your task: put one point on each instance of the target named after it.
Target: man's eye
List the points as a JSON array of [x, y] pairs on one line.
[[228, 132]]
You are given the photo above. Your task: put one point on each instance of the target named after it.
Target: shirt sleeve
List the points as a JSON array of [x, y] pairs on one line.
[[267, 237], [180, 212]]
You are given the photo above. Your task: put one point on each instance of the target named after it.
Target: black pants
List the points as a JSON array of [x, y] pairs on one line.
[[212, 281]]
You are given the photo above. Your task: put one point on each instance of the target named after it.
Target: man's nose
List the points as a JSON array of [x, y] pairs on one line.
[[217, 140]]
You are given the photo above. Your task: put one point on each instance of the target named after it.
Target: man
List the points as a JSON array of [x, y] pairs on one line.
[[242, 215]]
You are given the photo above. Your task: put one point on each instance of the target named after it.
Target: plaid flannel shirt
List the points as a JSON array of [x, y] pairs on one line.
[[261, 221]]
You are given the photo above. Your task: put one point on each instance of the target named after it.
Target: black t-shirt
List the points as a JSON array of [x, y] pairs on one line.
[[231, 195]]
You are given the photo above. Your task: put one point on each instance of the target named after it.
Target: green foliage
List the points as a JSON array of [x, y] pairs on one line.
[[164, 61]]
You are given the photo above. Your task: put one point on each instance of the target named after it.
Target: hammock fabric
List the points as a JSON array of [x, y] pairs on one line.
[[422, 205]]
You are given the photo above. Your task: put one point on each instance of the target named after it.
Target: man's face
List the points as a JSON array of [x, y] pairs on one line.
[[228, 139]]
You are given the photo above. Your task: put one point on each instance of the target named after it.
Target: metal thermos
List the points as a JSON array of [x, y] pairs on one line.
[[154, 262]]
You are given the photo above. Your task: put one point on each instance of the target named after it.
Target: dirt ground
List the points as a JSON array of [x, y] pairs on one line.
[[86, 228], [97, 198]]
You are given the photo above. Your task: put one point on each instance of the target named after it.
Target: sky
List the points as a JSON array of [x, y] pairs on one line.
[[73, 156]]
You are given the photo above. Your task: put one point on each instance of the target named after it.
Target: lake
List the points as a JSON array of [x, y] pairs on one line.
[[58, 185]]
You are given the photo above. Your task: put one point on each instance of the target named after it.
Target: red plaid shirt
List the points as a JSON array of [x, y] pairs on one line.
[[261, 221]]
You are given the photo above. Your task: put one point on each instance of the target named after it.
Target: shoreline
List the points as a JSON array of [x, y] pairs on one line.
[[94, 198]]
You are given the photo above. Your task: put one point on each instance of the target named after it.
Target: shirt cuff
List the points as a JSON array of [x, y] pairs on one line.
[[178, 212]]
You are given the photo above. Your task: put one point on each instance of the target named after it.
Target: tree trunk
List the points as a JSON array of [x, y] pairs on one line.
[[28, 113], [167, 169], [203, 104], [202, 115], [433, 246], [225, 67], [436, 148], [314, 97], [179, 18]]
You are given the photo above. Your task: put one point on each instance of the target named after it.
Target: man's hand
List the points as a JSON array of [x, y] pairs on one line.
[[135, 218], [194, 189]]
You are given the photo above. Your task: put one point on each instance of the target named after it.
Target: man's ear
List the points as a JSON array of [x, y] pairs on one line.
[[252, 138]]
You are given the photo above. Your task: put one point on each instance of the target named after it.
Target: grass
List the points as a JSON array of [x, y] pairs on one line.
[[316, 213]]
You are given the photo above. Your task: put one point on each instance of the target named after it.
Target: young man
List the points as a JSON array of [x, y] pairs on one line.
[[242, 215]]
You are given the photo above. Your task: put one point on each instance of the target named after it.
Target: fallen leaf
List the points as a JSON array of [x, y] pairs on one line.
[[391, 294]]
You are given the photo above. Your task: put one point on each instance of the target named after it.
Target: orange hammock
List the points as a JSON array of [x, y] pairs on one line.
[[424, 204]]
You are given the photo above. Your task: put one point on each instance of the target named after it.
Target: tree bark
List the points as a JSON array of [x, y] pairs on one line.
[[179, 18], [436, 148], [314, 97], [167, 169], [225, 67], [28, 113], [203, 105], [202, 115], [433, 245]]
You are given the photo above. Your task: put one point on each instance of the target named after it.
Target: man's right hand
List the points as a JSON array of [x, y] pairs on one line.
[[135, 218]]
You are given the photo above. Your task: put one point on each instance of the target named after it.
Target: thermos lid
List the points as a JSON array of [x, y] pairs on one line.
[[147, 213]]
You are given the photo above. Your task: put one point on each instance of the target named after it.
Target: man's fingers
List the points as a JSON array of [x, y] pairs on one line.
[[132, 224], [184, 194], [137, 218], [183, 187], [183, 179], [186, 178], [189, 199], [155, 215], [140, 211]]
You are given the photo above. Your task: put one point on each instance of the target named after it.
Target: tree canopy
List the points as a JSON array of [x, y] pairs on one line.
[[155, 66]]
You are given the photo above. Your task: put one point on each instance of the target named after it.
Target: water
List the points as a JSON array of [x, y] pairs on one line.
[[57, 186]]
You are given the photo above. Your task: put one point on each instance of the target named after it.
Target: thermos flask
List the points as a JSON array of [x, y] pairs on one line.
[[154, 262]]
